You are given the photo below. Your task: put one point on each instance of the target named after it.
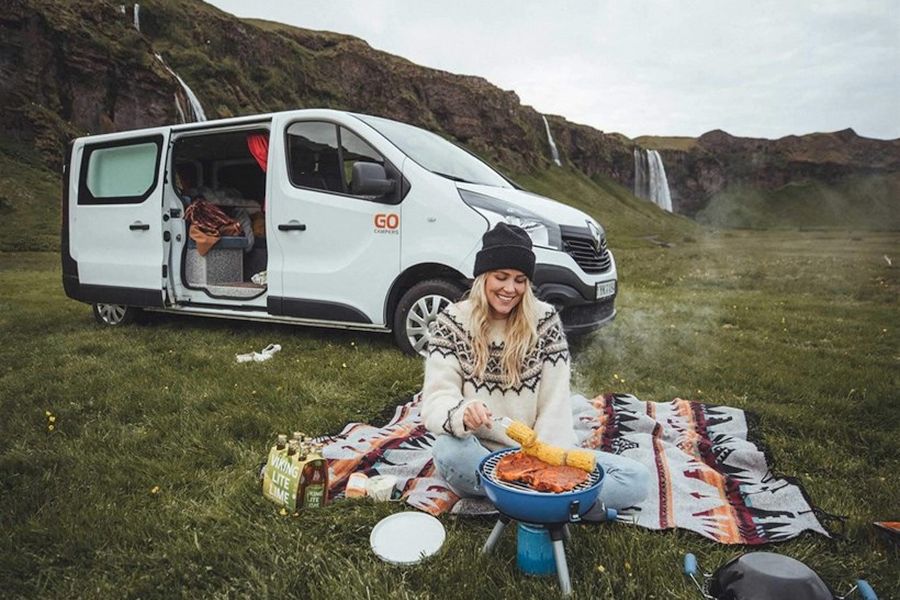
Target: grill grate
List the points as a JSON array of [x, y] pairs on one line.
[[579, 244], [489, 471]]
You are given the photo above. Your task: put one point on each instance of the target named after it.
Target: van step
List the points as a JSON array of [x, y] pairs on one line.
[[237, 289]]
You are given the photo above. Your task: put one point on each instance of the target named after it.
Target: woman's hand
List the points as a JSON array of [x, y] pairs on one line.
[[476, 415]]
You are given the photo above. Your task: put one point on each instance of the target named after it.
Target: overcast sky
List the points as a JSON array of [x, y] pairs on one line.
[[658, 67]]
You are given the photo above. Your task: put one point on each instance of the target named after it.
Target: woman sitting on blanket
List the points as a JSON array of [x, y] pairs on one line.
[[501, 352]]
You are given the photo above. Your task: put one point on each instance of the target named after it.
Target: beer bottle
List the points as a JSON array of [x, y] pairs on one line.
[[315, 477]]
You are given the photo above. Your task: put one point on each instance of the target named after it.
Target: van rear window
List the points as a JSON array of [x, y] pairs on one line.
[[119, 173]]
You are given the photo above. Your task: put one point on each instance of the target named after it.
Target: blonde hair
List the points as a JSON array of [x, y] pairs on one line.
[[521, 332]]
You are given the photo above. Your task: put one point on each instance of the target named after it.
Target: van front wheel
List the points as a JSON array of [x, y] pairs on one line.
[[114, 315], [417, 310]]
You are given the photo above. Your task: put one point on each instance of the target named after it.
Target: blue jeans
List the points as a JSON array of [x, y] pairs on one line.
[[456, 460]]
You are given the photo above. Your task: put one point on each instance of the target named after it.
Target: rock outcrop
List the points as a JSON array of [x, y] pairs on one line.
[[78, 67], [718, 160]]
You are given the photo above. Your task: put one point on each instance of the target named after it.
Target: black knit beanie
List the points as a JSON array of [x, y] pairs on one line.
[[505, 247]]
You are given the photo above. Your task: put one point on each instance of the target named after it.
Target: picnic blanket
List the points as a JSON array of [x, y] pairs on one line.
[[707, 473]]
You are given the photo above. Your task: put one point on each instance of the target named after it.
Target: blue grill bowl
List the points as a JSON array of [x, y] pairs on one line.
[[532, 506]]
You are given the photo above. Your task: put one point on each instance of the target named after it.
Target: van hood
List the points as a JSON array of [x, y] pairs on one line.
[[554, 211]]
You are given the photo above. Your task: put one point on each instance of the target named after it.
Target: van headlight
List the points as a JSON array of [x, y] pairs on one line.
[[541, 231]]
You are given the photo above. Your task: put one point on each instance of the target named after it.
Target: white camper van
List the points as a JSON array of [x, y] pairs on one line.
[[343, 220]]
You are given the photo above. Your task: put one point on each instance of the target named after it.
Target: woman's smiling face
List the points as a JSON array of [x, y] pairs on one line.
[[504, 289]]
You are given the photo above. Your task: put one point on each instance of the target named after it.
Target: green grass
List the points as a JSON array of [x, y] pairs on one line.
[[629, 221], [860, 201], [656, 142], [30, 198], [800, 328]]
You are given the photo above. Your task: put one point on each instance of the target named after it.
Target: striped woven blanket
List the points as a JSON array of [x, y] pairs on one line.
[[710, 476]]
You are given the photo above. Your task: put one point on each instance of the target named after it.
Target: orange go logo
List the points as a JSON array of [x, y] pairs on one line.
[[387, 221]]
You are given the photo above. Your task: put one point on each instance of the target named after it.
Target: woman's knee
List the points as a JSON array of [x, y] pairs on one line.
[[628, 481], [456, 460], [637, 478]]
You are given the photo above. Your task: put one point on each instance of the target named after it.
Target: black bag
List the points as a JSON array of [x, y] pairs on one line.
[[767, 576]]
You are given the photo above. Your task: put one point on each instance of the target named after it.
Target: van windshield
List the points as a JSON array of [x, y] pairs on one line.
[[435, 153]]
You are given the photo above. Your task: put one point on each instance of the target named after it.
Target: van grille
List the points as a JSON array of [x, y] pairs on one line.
[[579, 244]]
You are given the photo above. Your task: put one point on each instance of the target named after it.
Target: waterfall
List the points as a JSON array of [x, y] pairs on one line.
[[195, 106], [554, 153], [650, 180], [137, 17]]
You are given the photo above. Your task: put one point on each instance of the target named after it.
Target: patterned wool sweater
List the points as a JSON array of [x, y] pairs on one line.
[[541, 400]]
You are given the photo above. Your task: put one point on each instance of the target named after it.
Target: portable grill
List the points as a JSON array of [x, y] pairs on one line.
[[550, 510]]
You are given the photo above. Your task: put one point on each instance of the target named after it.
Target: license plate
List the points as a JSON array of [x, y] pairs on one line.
[[605, 289]]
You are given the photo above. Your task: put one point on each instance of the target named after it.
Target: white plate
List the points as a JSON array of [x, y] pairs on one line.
[[406, 538]]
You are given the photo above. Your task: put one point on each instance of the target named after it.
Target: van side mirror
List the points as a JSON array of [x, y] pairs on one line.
[[369, 179]]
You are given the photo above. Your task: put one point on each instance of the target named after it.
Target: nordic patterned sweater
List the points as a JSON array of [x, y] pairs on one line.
[[541, 400]]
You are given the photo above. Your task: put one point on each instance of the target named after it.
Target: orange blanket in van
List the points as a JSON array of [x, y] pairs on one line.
[[208, 224]]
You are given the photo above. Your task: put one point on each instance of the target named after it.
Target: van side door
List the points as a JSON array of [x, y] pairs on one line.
[[333, 252], [112, 227]]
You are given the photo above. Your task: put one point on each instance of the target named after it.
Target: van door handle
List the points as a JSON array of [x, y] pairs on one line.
[[139, 226], [291, 227]]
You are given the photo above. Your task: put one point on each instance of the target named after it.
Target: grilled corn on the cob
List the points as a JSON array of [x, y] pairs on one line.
[[554, 455]]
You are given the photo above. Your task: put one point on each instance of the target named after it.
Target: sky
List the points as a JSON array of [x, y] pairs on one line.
[[647, 67]]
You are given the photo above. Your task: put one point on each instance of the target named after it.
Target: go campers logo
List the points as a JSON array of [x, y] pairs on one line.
[[387, 223]]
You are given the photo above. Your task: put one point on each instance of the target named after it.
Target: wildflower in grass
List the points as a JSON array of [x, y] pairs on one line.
[[283, 512], [343, 365], [154, 489], [52, 419], [50, 427], [601, 569]]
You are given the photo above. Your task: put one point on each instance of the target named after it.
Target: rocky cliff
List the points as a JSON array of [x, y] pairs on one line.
[[81, 67], [700, 168], [67, 69]]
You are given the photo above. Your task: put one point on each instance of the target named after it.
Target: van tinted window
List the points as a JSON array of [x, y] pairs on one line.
[[119, 173], [313, 156], [321, 156], [354, 149]]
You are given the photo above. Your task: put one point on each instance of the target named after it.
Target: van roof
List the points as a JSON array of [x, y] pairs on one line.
[[227, 122]]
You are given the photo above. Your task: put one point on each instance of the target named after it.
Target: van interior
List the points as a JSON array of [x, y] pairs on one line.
[[221, 182]]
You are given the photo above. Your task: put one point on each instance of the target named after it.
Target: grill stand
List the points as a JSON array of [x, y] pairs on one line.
[[558, 533]]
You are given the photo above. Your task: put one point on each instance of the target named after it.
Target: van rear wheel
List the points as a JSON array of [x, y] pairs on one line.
[[417, 310], [114, 315]]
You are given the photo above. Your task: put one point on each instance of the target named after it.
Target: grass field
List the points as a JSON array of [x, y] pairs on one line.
[[856, 202], [145, 485]]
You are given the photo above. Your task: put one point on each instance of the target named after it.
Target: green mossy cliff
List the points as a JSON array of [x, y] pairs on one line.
[[78, 67]]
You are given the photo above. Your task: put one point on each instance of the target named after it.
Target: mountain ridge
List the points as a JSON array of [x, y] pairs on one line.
[[82, 68]]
